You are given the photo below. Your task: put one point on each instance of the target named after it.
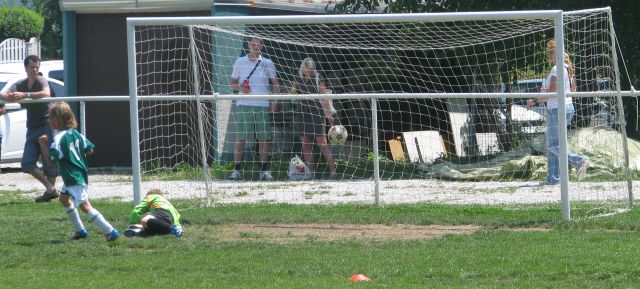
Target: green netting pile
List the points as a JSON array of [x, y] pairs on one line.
[[528, 160]]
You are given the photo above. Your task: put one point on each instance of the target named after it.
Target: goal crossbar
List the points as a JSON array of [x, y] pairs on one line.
[[357, 18]]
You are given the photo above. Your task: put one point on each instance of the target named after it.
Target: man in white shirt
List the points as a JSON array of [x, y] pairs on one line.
[[252, 74]]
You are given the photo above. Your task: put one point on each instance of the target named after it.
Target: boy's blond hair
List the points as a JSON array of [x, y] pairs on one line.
[[62, 112], [154, 192]]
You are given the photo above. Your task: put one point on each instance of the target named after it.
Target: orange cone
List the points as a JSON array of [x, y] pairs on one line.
[[359, 278]]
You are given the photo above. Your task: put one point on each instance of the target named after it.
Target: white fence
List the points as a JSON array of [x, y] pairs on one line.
[[14, 50]]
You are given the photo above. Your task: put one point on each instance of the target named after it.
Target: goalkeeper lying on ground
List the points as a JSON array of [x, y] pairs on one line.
[[155, 215]]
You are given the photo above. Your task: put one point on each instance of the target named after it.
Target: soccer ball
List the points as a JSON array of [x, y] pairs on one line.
[[337, 135]]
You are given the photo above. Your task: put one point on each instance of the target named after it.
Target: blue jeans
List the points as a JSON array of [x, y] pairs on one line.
[[32, 154], [553, 145]]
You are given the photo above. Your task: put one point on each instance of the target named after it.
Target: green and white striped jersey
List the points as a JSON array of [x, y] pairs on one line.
[[69, 150]]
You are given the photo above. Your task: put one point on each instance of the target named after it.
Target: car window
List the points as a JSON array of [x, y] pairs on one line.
[[603, 84], [57, 89], [9, 106], [4, 83], [529, 87], [56, 74], [518, 88]]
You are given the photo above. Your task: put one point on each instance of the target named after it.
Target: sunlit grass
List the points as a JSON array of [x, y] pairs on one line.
[[509, 252]]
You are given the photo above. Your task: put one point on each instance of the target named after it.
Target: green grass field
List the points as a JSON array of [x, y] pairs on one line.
[[516, 247]]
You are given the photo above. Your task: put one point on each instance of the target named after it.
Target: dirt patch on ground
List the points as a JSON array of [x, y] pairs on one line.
[[335, 232]]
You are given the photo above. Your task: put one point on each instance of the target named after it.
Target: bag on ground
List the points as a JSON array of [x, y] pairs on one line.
[[298, 170]]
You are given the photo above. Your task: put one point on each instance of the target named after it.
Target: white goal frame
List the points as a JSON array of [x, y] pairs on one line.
[[554, 15]]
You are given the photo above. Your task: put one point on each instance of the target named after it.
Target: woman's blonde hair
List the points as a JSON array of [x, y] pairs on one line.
[[551, 45], [62, 112], [306, 64]]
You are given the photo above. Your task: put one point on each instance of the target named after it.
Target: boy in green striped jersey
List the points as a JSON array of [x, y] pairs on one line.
[[69, 150], [155, 215]]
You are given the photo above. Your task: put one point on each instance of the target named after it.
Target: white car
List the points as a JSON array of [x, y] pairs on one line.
[[49, 69], [14, 122], [529, 120]]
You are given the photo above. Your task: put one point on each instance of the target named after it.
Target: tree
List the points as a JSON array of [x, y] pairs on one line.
[[624, 13], [52, 34], [625, 20], [20, 22]]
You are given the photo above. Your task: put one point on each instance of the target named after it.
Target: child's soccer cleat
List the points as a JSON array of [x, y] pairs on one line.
[[113, 235], [266, 176], [132, 232], [177, 231], [235, 175], [80, 234]]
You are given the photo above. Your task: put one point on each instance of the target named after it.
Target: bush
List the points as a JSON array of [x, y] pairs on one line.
[[20, 22]]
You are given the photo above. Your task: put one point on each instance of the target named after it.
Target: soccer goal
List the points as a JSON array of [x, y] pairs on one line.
[[434, 106]]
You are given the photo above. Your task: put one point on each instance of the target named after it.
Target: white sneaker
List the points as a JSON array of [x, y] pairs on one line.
[[265, 175], [235, 175], [582, 170]]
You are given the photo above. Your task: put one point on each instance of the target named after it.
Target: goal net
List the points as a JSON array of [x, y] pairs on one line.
[[435, 107]]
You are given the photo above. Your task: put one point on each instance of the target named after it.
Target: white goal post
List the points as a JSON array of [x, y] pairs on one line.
[[434, 104]]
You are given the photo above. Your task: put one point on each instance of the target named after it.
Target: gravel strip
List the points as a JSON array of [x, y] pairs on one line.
[[119, 186]]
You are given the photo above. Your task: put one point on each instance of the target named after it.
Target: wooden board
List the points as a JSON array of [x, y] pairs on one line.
[[424, 146]]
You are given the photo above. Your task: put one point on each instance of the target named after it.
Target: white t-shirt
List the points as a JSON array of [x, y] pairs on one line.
[[553, 101], [259, 80]]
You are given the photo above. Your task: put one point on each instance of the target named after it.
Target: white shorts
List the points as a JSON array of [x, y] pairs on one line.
[[78, 193]]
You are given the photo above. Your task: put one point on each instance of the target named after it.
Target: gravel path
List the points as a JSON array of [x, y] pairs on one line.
[[119, 186]]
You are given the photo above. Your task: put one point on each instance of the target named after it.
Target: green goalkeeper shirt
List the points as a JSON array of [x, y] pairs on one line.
[[150, 204], [69, 150]]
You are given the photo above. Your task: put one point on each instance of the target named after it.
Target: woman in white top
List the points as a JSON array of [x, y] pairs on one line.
[[552, 138]]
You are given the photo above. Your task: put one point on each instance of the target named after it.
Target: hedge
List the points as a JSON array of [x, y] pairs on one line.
[[20, 22]]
